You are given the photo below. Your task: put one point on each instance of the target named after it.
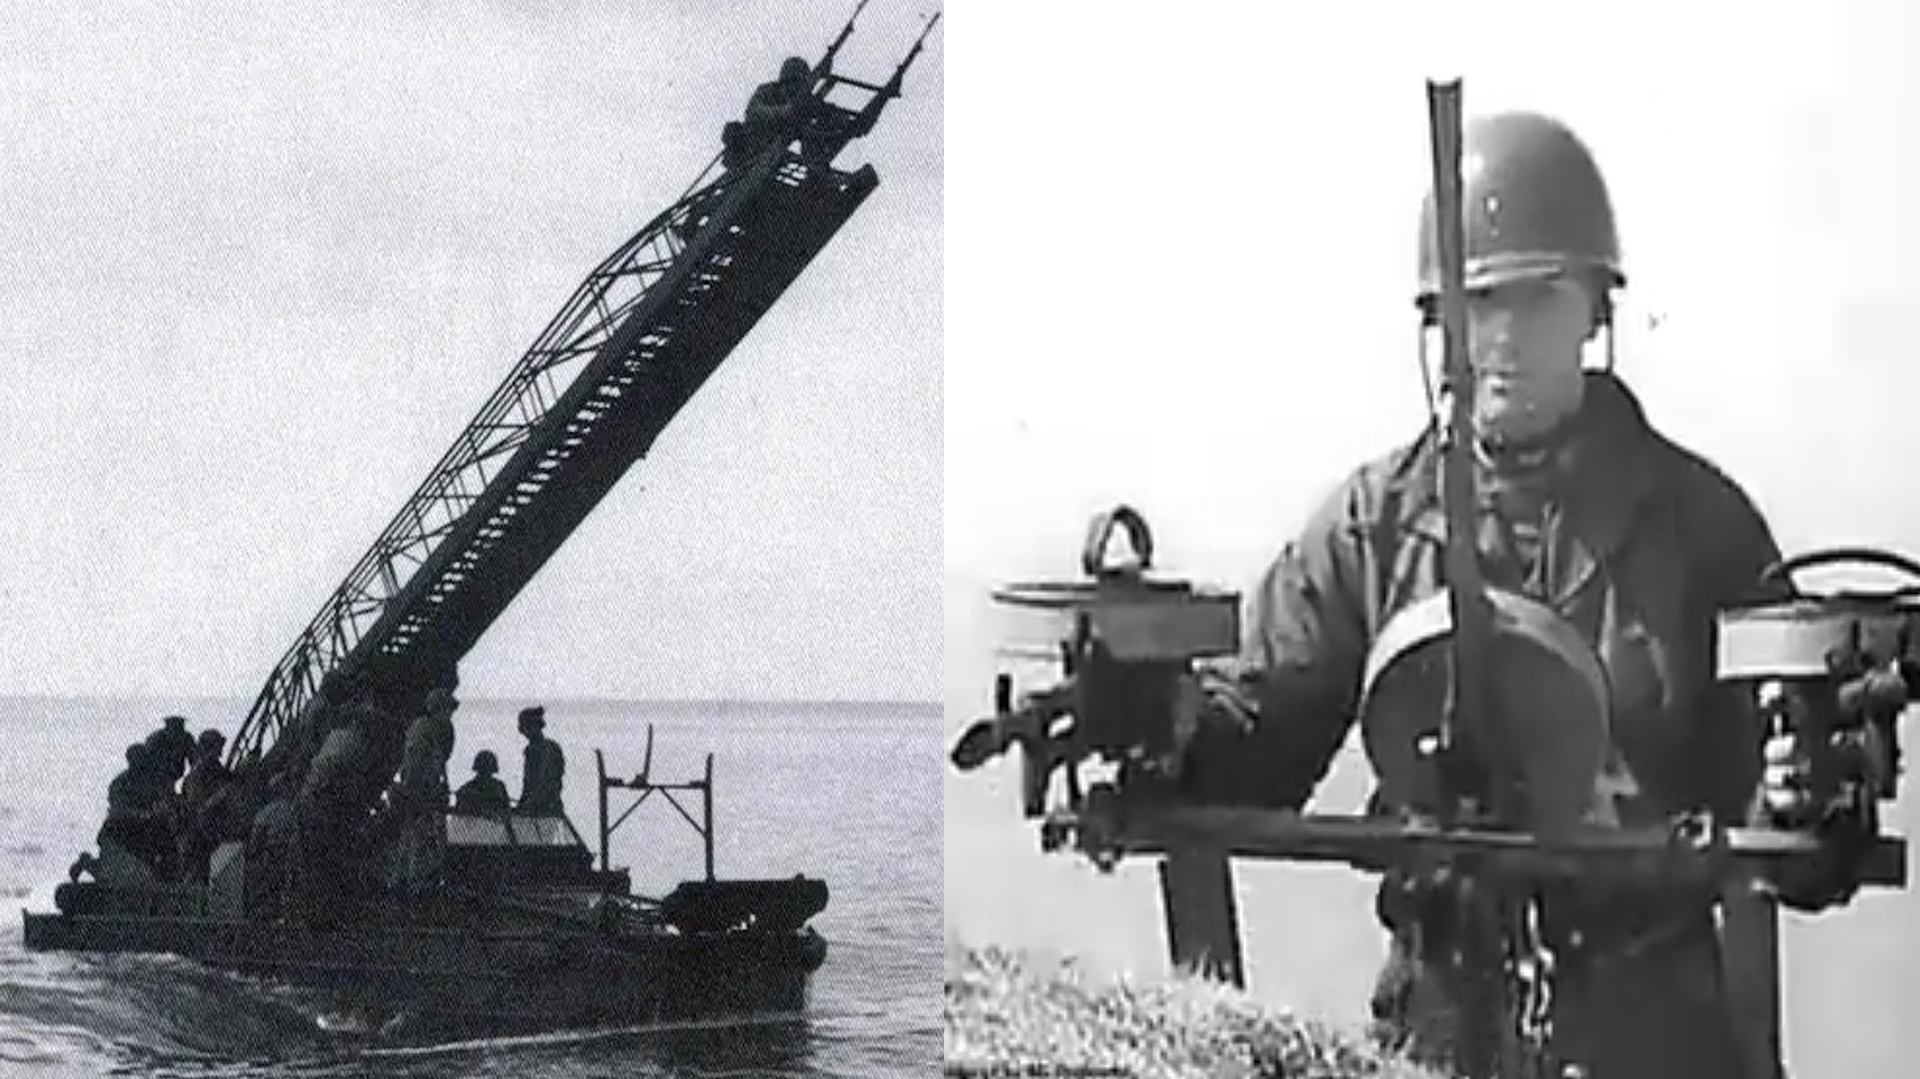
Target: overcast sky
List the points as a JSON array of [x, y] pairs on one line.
[[1221, 325], [259, 263]]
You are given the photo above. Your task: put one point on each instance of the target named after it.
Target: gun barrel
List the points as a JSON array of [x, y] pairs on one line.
[[826, 62]]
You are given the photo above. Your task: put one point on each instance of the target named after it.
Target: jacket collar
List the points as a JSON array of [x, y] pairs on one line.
[[1604, 475]]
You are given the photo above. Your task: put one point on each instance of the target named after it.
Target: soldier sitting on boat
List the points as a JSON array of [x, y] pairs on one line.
[[170, 748], [227, 813], [208, 771], [545, 767], [269, 846], [483, 795], [208, 777], [139, 816], [136, 841]]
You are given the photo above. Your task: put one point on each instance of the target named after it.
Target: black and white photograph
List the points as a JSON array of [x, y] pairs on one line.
[[1431, 583], [472, 499]]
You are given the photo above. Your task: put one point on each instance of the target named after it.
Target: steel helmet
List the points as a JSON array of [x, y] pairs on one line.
[[1534, 205]]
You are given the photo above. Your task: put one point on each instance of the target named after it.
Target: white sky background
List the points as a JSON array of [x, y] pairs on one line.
[[260, 263], [1215, 322]]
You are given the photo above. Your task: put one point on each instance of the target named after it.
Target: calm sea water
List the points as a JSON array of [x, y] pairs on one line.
[[843, 792], [1308, 932]]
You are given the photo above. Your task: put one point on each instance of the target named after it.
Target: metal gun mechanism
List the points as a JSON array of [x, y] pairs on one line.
[[1835, 670], [1125, 643]]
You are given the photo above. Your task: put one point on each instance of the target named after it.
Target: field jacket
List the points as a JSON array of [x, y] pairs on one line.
[[1639, 543]]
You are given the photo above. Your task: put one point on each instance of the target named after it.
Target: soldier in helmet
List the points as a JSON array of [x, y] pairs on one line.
[[329, 818], [138, 823], [294, 750], [199, 833], [484, 794], [775, 114], [418, 798], [546, 767], [1618, 535], [171, 748]]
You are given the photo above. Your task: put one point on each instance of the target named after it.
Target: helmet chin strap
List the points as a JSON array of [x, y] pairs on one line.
[[1604, 324]]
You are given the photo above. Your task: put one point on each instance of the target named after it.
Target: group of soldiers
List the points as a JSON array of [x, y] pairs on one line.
[[348, 804], [168, 809]]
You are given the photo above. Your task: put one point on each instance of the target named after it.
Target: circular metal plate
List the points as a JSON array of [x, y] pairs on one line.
[[1549, 735]]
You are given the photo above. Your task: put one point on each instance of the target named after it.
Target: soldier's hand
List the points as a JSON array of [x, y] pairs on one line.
[[1211, 718], [1208, 699], [1831, 876], [1786, 779]]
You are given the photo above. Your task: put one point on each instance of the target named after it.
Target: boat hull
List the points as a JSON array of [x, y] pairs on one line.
[[447, 978]]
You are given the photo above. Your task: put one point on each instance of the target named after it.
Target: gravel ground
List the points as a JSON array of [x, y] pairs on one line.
[[1008, 1015]]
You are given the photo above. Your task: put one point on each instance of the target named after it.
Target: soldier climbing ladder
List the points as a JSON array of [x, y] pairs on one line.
[[637, 339]]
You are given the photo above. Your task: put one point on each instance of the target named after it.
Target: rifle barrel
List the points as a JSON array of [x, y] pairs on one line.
[[1466, 712]]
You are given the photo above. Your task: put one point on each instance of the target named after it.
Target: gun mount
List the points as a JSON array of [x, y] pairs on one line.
[[1127, 643], [1835, 670]]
